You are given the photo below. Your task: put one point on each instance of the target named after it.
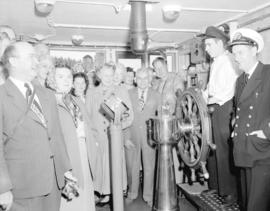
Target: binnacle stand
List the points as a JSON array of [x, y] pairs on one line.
[[190, 130]]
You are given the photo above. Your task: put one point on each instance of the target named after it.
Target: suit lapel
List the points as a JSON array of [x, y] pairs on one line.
[[253, 83], [148, 96], [20, 102], [44, 102], [16, 96], [239, 88], [135, 97]]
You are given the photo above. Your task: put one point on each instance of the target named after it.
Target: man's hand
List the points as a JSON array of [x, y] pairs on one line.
[[258, 133], [6, 200], [68, 176], [129, 144], [71, 189]]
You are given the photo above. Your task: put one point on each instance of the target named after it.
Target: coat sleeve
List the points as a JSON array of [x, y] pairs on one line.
[[61, 158], [5, 181], [265, 126]]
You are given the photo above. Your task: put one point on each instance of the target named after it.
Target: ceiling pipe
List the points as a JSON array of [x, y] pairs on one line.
[[116, 7], [51, 23], [239, 16], [212, 10]]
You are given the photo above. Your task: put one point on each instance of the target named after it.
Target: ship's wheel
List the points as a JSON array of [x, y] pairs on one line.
[[194, 125]]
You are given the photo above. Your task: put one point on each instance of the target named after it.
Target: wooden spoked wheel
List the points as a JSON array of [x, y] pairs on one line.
[[194, 126]]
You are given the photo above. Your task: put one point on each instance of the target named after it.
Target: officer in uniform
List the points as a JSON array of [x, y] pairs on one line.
[[218, 95], [251, 136]]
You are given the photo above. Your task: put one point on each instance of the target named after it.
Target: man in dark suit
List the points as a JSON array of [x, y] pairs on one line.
[[33, 157], [145, 102], [251, 136]]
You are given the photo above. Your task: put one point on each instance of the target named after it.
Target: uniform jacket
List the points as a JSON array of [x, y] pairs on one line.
[[29, 159], [152, 105], [71, 139], [252, 109]]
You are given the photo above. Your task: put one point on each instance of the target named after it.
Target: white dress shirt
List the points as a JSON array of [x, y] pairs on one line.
[[251, 71], [223, 76]]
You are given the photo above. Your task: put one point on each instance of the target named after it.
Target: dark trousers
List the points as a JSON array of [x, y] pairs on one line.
[[220, 162], [255, 188], [50, 202]]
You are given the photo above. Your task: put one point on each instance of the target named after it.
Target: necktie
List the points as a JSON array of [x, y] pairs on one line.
[[246, 77], [141, 100], [28, 92], [35, 107]]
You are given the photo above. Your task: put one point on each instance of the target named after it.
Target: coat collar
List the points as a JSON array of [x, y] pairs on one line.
[[252, 84]]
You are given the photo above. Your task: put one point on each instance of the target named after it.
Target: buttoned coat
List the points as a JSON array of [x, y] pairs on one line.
[[79, 167], [32, 155], [71, 139], [252, 109]]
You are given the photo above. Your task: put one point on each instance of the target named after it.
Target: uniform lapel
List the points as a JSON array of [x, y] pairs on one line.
[[240, 86], [253, 83]]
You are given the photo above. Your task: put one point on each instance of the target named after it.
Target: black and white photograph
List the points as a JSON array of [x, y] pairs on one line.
[[134, 105]]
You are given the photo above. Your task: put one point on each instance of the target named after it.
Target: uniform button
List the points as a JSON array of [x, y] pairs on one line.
[[104, 130], [235, 134], [49, 138], [250, 107], [236, 125], [248, 125], [249, 116], [237, 117], [51, 156], [238, 109]]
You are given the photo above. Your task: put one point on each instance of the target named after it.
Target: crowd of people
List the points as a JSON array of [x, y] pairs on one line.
[[55, 147]]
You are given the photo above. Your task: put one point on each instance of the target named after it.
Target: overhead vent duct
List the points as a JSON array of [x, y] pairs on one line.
[[139, 39], [138, 30]]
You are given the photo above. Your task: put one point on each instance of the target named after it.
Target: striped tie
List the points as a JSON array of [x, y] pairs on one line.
[[35, 107], [141, 100]]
